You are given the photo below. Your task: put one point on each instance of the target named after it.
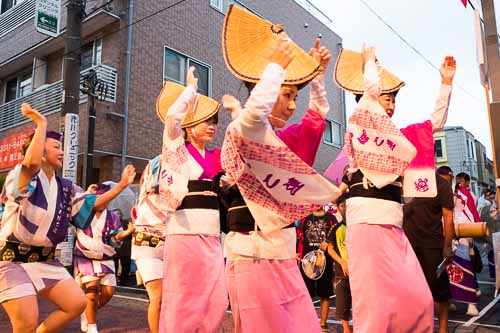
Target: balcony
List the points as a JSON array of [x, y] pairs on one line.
[[48, 99], [16, 16]]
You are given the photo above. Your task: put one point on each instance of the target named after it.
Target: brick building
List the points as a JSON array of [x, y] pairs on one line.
[[163, 45]]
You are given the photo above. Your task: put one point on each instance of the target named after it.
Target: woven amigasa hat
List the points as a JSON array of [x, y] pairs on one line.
[[247, 41], [201, 110], [348, 74]]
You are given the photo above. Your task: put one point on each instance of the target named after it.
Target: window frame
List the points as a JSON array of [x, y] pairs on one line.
[[187, 60], [340, 127], [14, 4], [19, 78], [440, 147], [96, 60]]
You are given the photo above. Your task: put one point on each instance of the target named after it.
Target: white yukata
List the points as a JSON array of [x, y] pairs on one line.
[[95, 248], [35, 220]]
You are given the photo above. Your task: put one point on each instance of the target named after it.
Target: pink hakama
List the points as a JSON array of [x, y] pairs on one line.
[[388, 287], [282, 305], [193, 285]]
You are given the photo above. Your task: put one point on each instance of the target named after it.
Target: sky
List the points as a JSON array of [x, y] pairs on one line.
[[436, 28]]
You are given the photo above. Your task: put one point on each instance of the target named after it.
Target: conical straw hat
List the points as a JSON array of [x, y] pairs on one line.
[[348, 74], [247, 41], [202, 109]]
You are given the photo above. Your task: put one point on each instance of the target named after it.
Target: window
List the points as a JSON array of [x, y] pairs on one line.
[[221, 5], [8, 4], [91, 54], [333, 133], [438, 149], [18, 86], [175, 66]]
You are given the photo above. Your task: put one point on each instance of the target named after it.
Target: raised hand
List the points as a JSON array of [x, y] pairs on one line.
[[368, 54], [231, 103], [282, 52], [320, 54], [92, 189], [191, 79], [32, 114], [128, 175], [447, 70]]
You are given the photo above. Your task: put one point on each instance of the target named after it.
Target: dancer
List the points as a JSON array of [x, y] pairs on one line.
[[268, 182], [463, 281], [39, 205], [194, 293], [379, 154], [94, 250]]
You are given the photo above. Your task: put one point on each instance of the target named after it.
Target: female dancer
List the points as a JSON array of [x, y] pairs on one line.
[[39, 205], [95, 246], [379, 154], [194, 293], [269, 183]]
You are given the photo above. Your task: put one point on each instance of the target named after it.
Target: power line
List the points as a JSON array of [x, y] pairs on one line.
[[412, 47]]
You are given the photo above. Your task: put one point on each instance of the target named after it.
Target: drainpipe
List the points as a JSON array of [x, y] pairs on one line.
[[127, 82], [342, 101]]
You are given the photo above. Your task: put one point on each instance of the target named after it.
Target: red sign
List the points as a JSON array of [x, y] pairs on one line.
[[10, 149]]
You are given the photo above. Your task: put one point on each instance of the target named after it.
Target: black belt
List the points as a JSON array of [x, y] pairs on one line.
[[202, 201], [144, 239], [20, 252], [240, 219], [388, 192]]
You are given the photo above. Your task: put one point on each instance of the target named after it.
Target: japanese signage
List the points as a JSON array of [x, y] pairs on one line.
[[48, 17], [70, 146], [10, 149]]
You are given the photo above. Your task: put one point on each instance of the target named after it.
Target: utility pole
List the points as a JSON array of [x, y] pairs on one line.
[[93, 88], [493, 79], [69, 111], [71, 86]]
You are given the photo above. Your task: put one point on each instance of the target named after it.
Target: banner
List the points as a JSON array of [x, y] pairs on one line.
[[10, 149]]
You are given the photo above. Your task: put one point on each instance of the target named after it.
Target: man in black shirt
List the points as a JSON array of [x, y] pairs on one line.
[[422, 223]]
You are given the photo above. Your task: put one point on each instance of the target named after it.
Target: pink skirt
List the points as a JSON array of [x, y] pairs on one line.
[[388, 287], [194, 295], [269, 296]]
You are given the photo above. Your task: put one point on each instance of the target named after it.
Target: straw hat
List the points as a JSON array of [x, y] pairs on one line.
[[201, 110], [348, 74], [247, 41]]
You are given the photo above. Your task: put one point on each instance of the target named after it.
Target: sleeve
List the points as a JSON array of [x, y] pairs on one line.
[[440, 114], [115, 228], [304, 138], [82, 207], [445, 194], [371, 81], [11, 191], [340, 239], [317, 96], [264, 95], [176, 113]]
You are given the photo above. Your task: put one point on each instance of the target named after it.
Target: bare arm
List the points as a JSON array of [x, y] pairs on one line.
[[338, 259], [123, 234], [448, 233], [104, 199], [32, 161]]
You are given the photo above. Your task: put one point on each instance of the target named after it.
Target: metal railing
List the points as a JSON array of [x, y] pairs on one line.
[[16, 16], [47, 99]]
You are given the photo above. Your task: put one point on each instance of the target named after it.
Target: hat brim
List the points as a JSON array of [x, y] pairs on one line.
[[348, 74], [204, 108], [247, 41]]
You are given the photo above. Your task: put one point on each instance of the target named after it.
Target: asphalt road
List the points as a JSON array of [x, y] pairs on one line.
[[127, 311]]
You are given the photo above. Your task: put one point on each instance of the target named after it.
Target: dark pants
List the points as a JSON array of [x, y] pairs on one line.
[[343, 300], [125, 263], [429, 260]]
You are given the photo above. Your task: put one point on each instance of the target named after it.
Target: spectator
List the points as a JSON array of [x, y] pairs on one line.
[[123, 253], [431, 242], [315, 233], [342, 288]]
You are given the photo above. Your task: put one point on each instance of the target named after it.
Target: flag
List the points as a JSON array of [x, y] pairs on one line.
[[464, 2]]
